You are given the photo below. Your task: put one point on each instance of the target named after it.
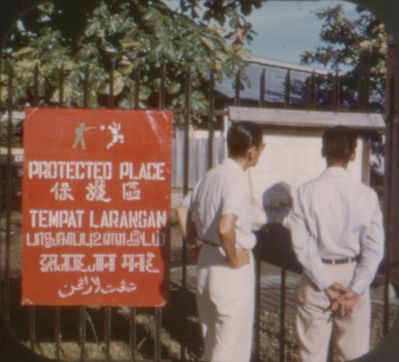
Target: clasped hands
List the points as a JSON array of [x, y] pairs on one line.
[[343, 300]]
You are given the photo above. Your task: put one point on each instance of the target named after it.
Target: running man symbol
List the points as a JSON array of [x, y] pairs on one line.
[[80, 137], [114, 128]]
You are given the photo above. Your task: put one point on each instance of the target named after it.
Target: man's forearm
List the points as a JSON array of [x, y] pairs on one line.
[[228, 241], [182, 215], [236, 258]]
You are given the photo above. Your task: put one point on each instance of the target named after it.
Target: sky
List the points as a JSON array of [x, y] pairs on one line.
[[285, 29]]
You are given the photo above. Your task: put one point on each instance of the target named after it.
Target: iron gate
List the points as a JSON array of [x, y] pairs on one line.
[[141, 330]]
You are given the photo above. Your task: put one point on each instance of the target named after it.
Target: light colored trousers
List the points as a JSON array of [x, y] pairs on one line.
[[225, 299], [315, 321]]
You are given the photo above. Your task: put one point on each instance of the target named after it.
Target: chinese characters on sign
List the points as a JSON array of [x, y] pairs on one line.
[[96, 207]]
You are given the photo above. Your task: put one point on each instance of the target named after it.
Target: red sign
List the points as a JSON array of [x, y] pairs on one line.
[[96, 207]]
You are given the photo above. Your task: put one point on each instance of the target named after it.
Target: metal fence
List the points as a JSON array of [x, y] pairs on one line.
[[198, 140], [96, 333]]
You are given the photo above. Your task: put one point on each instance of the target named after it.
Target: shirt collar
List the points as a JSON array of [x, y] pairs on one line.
[[229, 162], [336, 171]]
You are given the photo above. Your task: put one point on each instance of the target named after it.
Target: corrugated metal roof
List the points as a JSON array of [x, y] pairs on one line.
[[275, 72], [295, 118], [275, 84], [288, 65]]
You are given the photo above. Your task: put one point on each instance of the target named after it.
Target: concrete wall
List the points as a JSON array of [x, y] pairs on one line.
[[291, 157]]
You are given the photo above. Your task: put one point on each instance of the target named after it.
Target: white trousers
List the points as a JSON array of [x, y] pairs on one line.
[[315, 322], [225, 299]]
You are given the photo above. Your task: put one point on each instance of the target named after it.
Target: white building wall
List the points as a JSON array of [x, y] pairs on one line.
[[288, 161]]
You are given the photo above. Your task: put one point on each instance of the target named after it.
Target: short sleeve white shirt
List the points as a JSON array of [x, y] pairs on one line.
[[223, 190]]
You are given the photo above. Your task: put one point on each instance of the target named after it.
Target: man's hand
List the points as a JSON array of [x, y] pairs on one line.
[[236, 258], [239, 258], [334, 291], [346, 303]]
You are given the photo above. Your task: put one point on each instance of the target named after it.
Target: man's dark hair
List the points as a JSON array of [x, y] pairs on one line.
[[242, 136], [339, 143]]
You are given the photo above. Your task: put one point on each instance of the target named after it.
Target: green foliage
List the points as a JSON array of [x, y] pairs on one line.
[[125, 35], [356, 46]]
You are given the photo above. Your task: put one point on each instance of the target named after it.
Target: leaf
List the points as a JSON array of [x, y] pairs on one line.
[[244, 53], [208, 43], [68, 65], [130, 44], [220, 55], [119, 83], [26, 64], [67, 92], [145, 92], [149, 15], [173, 88], [22, 51]]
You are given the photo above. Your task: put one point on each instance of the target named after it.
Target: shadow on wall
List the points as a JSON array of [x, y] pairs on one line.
[[277, 202], [274, 243]]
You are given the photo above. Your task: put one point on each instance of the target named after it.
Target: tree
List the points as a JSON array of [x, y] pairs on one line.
[[358, 49], [123, 36]]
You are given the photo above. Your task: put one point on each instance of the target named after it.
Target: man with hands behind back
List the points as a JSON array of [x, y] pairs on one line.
[[337, 234]]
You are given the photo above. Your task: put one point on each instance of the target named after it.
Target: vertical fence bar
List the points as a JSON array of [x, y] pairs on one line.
[[107, 310], [211, 114], [32, 310], [385, 322], [313, 90], [137, 88], [158, 326], [57, 332], [1, 77], [82, 333], [262, 89], [162, 88], [258, 265], [158, 311], [32, 327], [82, 310], [360, 93], [257, 308], [237, 96], [132, 334], [61, 86], [363, 97], [86, 87], [287, 95], [36, 86], [107, 333], [186, 174], [187, 121], [111, 99], [330, 356], [366, 95], [1, 237], [389, 164], [8, 198], [57, 326], [61, 75], [283, 308], [336, 91]]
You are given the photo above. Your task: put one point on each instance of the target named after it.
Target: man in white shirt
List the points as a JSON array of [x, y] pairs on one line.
[[337, 235], [219, 208]]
